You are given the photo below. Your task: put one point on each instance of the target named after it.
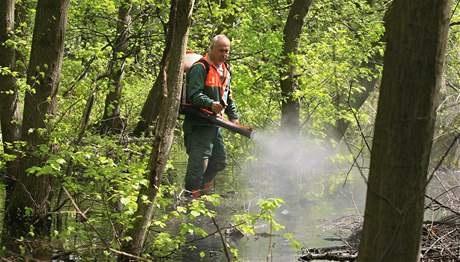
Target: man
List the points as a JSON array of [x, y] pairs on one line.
[[208, 86]]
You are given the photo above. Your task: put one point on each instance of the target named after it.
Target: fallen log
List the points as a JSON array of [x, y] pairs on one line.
[[335, 256]]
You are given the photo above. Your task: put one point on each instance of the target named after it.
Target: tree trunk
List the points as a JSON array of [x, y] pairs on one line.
[[111, 120], [356, 100], [9, 113], [31, 193], [164, 131], [152, 105], [412, 75], [8, 89], [290, 105]]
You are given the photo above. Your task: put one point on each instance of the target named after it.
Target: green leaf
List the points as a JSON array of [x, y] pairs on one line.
[[195, 213]]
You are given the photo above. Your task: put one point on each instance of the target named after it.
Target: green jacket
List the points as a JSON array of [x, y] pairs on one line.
[[203, 89]]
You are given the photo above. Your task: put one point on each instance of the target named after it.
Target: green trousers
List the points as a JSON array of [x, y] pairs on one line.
[[206, 154]]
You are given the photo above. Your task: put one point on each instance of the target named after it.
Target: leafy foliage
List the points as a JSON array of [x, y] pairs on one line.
[[103, 174]]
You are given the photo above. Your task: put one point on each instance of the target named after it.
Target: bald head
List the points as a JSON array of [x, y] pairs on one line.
[[219, 49], [217, 40]]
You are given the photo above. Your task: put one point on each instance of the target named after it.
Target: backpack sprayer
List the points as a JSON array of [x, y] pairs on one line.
[[190, 59], [214, 119]]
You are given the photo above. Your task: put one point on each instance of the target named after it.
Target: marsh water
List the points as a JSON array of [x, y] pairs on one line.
[[323, 203], [323, 199], [318, 213]]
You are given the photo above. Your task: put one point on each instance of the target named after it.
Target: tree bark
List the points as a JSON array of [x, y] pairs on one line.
[[111, 120], [412, 75], [290, 105], [164, 131], [9, 105], [8, 89], [32, 192], [152, 105]]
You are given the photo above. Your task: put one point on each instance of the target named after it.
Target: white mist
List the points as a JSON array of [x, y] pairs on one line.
[[305, 173]]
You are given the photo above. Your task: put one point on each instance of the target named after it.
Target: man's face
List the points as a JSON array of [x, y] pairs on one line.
[[220, 51]]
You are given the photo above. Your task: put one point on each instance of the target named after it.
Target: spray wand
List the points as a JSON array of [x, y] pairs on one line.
[[214, 119]]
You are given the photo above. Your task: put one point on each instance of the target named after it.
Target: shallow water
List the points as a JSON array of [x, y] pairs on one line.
[[317, 205], [319, 209]]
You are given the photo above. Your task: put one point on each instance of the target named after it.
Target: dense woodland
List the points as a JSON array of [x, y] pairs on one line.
[[89, 99]]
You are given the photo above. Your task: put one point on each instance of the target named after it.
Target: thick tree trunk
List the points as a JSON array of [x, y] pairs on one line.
[[9, 113], [111, 120], [151, 107], [413, 67], [164, 131], [8, 89], [32, 192], [290, 106]]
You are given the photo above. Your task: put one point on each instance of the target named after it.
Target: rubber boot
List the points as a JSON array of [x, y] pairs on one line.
[[208, 188], [196, 194]]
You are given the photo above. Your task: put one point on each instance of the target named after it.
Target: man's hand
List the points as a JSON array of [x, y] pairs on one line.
[[235, 121], [216, 107]]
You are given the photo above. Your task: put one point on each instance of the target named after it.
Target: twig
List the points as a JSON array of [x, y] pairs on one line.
[[80, 77], [115, 228], [355, 161], [354, 204], [104, 241], [450, 189], [236, 57], [224, 243], [24, 187], [85, 218], [270, 253], [207, 236], [454, 141], [83, 215], [445, 188], [439, 239], [310, 114], [453, 11], [356, 118], [129, 255], [442, 205], [453, 86]]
